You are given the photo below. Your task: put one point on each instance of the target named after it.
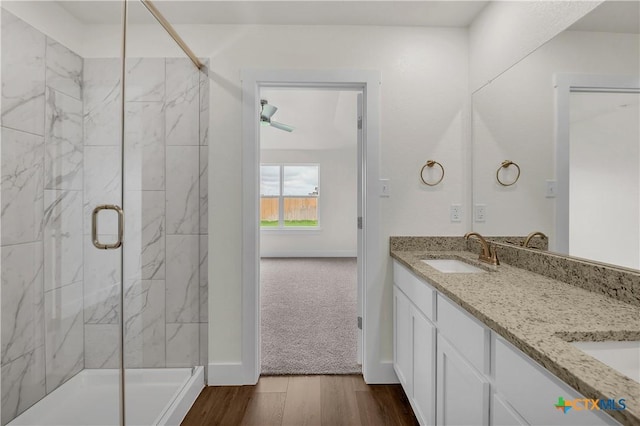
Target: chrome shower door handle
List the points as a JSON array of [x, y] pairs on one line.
[[94, 226]]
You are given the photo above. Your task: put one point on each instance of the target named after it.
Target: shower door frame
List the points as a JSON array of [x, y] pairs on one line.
[[123, 82]]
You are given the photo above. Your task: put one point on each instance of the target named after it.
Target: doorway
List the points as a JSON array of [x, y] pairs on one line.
[[596, 118], [604, 125], [309, 191], [254, 81]]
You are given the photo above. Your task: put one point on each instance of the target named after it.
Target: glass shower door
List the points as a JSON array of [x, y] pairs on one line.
[[103, 216], [165, 238]]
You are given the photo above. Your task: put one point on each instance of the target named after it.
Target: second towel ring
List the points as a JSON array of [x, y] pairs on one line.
[[505, 164], [431, 163]]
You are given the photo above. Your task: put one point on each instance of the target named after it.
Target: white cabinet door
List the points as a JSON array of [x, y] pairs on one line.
[[424, 368], [533, 391], [462, 393], [403, 340], [504, 415]]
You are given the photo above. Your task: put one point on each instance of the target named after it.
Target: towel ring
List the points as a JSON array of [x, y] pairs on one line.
[[431, 163], [505, 164]]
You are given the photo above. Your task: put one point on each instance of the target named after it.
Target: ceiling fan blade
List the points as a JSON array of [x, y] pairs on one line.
[[268, 111], [282, 126]]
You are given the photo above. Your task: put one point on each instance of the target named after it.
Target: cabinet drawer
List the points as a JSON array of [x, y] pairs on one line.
[[419, 292], [532, 390], [468, 336]]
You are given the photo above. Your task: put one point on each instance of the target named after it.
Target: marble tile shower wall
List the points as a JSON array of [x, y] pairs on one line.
[[165, 213], [42, 255], [60, 158]]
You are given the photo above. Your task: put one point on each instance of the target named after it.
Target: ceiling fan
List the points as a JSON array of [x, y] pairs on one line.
[[267, 112]]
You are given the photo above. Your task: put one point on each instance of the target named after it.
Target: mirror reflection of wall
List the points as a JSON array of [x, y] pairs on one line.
[[604, 177], [514, 118]]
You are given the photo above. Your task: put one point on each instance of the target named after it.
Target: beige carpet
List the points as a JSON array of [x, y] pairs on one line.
[[309, 311]]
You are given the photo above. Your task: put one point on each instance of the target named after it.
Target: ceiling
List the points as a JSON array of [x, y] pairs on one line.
[[327, 12], [323, 119], [612, 17]]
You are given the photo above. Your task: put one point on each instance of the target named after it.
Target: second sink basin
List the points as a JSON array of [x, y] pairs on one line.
[[621, 356], [451, 266]]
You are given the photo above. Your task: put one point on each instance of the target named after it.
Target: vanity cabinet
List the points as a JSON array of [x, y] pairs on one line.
[[462, 364], [503, 415], [403, 340], [456, 371], [468, 335], [415, 342], [463, 393], [535, 401], [424, 362]]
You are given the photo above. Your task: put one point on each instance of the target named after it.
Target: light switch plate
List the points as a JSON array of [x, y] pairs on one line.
[[551, 189], [385, 188]]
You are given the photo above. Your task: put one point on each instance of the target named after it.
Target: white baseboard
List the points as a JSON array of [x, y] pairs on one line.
[[383, 374], [226, 374], [311, 253]]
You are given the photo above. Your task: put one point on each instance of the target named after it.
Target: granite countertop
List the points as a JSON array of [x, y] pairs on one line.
[[540, 316]]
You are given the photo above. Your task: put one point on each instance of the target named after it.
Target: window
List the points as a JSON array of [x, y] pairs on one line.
[[289, 195]]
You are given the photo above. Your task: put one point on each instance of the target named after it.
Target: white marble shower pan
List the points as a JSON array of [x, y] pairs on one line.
[[154, 396]]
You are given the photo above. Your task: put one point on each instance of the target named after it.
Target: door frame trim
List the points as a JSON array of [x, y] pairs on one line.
[[374, 369]]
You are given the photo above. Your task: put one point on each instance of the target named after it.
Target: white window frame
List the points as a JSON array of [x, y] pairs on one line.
[[281, 197]]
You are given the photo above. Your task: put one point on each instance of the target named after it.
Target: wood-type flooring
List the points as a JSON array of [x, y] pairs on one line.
[[302, 400]]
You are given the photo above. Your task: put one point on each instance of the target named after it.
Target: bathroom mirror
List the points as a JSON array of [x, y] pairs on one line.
[[568, 115]]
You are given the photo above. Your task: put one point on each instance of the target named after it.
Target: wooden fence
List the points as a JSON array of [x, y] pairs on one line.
[[294, 208]]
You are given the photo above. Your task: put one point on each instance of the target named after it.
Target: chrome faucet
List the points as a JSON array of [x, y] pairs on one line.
[[487, 255], [525, 244]]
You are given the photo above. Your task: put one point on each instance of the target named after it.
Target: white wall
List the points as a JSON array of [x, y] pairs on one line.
[[507, 31], [503, 33], [337, 235], [424, 87], [604, 180], [513, 118]]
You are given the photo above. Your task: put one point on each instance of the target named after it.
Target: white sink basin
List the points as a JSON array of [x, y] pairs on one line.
[[621, 356], [452, 266]]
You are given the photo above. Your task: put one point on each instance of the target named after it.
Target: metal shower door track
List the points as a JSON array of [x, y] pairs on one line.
[[172, 32]]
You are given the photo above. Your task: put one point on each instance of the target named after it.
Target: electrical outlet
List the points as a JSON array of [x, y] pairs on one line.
[[480, 212], [456, 213]]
